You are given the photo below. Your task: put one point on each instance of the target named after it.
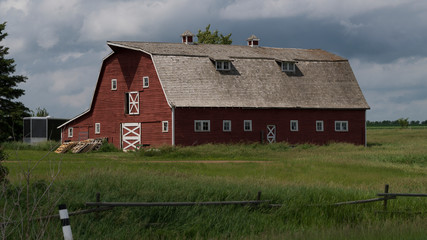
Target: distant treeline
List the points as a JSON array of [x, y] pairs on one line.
[[397, 123]]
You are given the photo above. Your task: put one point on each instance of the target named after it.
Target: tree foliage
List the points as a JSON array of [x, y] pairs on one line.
[[11, 111], [403, 122], [215, 37], [40, 112]]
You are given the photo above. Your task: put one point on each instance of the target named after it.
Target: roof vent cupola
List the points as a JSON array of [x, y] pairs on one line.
[[253, 41], [187, 37]]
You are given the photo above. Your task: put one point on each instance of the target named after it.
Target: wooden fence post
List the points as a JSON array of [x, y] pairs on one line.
[[98, 199], [385, 197], [258, 198]]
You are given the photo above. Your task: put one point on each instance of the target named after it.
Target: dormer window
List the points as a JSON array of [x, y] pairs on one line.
[[253, 41], [223, 65], [288, 66], [187, 37]]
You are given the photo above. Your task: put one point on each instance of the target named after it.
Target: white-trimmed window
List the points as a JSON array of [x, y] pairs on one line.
[[226, 125], [165, 126], [288, 66], [247, 125], [202, 125], [223, 65], [319, 126], [341, 126], [113, 84], [97, 128], [294, 125], [70, 132], [145, 82]]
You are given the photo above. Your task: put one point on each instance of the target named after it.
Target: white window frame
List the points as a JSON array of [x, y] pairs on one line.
[[249, 122], [341, 126], [319, 126], [221, 65], [97, 128], [145, 82], [199, 125], [70, 132], [224, 122], [288, 66], [114, 84], [165, 126], [292, 124]]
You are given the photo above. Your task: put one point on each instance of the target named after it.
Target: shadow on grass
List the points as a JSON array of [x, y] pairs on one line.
[[374, 144]]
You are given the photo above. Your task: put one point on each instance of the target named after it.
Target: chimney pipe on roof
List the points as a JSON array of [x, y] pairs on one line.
[[253, 41], [187, 37]]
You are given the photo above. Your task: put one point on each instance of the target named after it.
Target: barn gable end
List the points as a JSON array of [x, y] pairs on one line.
[[110, 108]]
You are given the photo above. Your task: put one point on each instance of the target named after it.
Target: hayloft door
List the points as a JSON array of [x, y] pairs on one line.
[[271, 133], [133, 103], [131, 136]]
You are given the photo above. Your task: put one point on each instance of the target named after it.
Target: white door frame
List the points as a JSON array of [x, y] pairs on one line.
[[271, 133]]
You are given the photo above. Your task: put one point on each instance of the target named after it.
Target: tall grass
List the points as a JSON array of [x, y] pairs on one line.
[[41, 146], [253, 151], [304, 209], [304, 179]]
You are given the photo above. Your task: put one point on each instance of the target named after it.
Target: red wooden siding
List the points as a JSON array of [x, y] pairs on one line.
[[108, 106], [185, 135]]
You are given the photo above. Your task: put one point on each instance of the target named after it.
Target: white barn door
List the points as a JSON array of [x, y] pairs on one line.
[[271, 133], [131, 136]]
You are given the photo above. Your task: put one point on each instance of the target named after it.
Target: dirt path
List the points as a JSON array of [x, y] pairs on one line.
[[209, 161], [171, 161]]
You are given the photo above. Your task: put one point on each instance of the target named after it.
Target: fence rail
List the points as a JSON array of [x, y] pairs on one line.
[[402, 195], [106, 206], [172, 204]]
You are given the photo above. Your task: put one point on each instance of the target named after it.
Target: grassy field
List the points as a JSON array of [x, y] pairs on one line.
[[304, 178]]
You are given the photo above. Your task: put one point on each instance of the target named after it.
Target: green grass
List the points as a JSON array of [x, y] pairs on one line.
[[304, 178]]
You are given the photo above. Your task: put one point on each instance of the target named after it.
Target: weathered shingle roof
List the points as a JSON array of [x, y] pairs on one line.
[[190, 79]]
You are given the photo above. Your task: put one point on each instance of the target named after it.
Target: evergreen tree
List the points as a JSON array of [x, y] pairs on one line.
[[213, 38], [11, 111]]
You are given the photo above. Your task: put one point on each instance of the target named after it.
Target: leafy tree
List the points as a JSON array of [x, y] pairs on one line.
[[40, 112], [403, 122], [213, 38], [11, 111]]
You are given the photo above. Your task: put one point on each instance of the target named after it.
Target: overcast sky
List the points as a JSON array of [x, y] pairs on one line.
[[60, 44]]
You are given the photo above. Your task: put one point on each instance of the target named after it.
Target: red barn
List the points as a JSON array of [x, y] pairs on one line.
[[151, 94]]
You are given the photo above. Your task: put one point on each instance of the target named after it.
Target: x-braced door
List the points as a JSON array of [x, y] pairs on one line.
[[133, 103], [131, 136], [271, 133]]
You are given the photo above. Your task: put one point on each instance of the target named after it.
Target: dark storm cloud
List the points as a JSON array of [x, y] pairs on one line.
[[60, 44]]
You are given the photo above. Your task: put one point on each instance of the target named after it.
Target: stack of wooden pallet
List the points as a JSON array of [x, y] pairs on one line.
[[95, 145], [81, 146], [65, 147]]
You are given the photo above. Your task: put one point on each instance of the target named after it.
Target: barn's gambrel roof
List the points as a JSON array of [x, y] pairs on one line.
[[189, 78], [188, 75]]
